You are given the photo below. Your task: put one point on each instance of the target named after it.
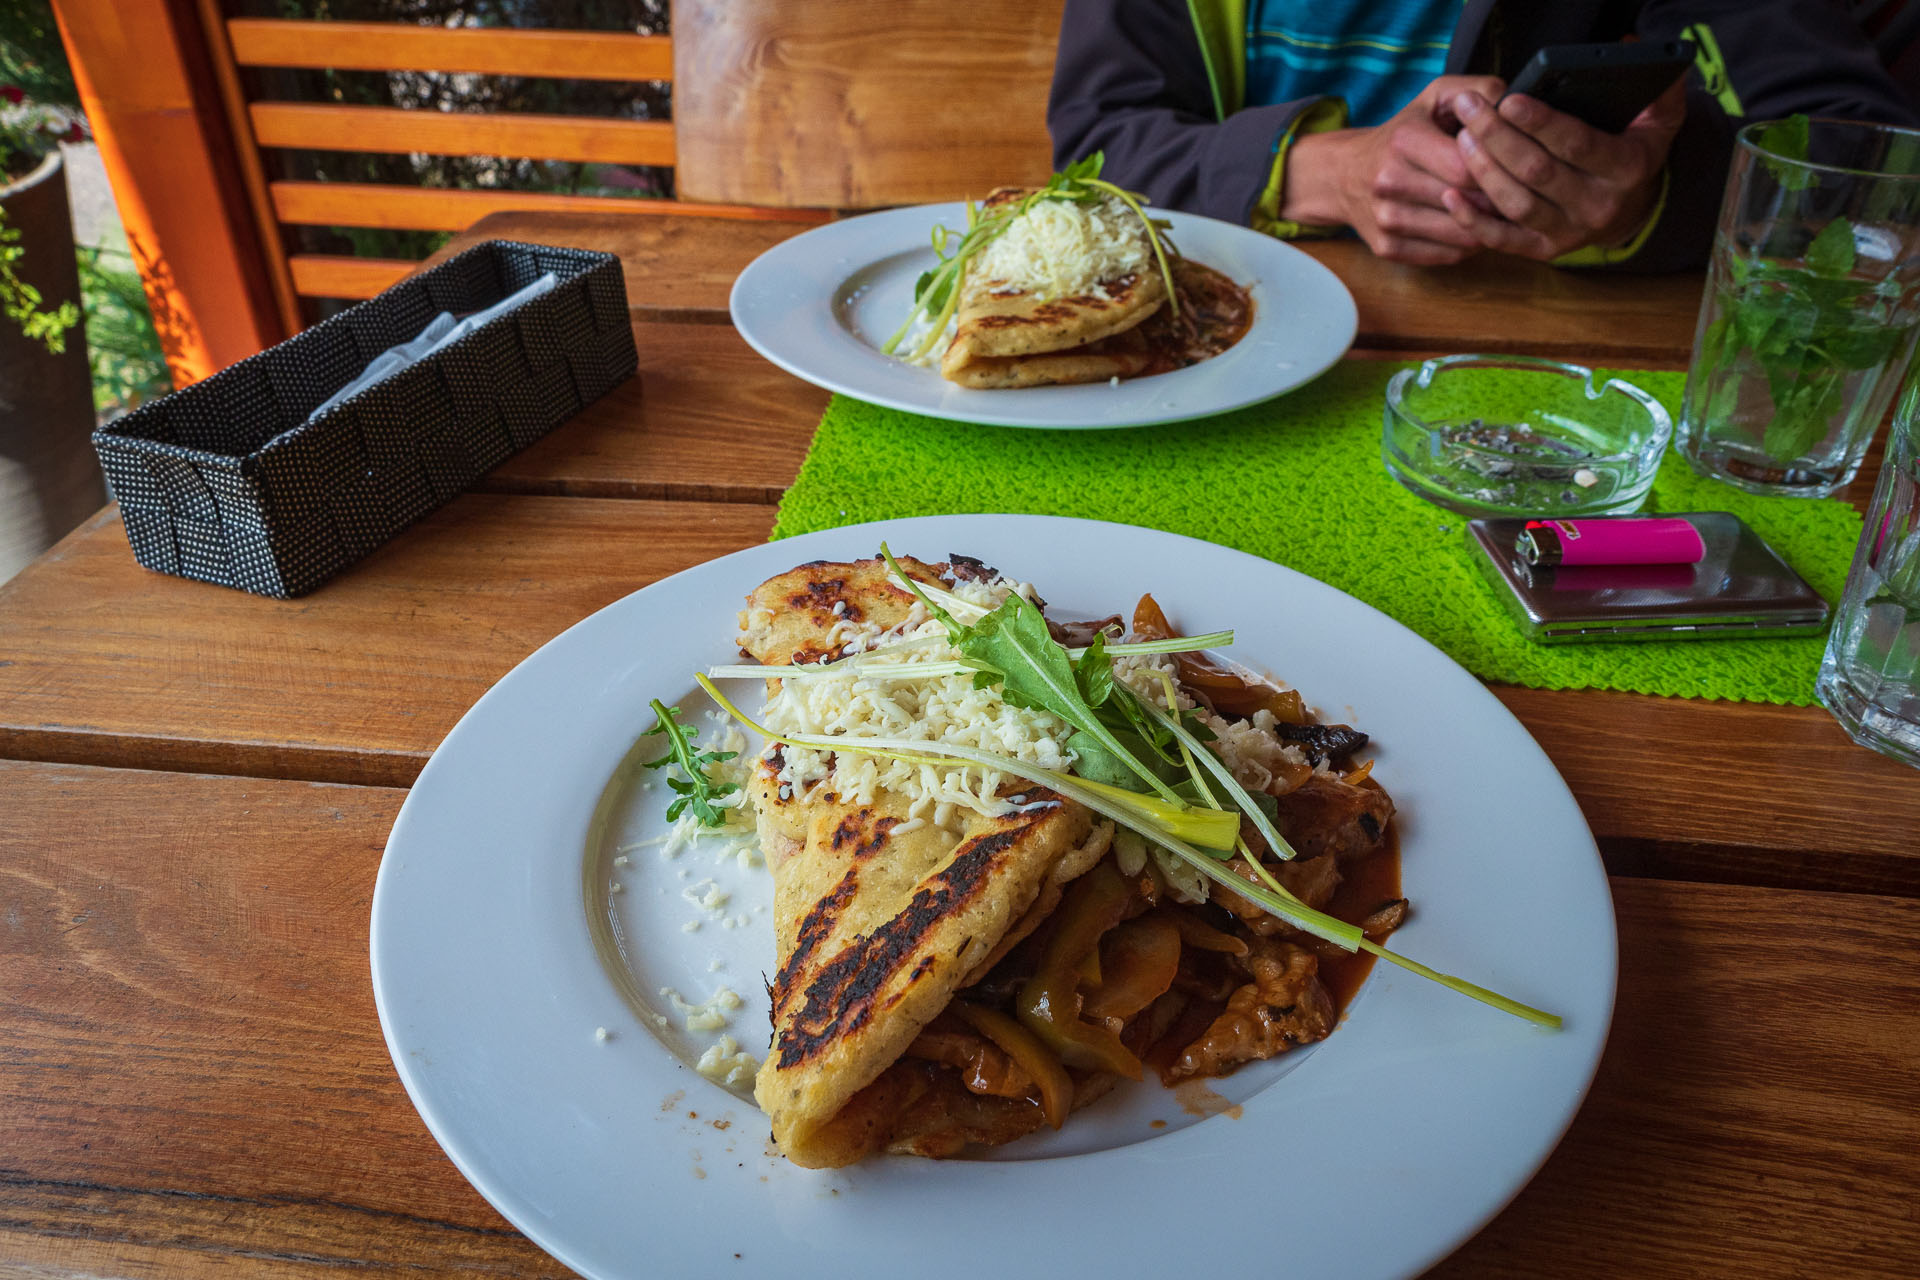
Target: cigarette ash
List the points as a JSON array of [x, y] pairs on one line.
[[1517, 458]]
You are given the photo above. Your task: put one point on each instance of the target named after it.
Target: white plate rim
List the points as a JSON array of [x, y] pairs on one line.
[[807, 1212], [785, 305]]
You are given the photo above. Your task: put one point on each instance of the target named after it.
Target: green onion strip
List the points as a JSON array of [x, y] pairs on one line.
[[856, 662], [1217, 767], [1136, 813]]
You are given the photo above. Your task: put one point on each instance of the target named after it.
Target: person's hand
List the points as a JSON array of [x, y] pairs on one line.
[[1554, 182], [1388, 182]]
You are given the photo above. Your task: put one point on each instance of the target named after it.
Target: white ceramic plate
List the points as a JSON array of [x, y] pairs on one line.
[[1371, 1155], [821, 305]]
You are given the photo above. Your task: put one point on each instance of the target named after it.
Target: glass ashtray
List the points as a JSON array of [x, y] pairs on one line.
[[1521, 436]]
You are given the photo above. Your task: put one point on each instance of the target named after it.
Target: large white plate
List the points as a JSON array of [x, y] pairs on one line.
[[1372, 1155], [821, 305]]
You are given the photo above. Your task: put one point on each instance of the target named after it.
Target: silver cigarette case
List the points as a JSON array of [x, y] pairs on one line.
[[1740, 587]]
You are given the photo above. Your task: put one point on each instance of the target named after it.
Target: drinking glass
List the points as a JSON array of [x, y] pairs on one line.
[[1870, 677], [1809, 315]]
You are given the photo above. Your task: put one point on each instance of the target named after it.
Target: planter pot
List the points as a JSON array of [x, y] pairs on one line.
[[49, 479]]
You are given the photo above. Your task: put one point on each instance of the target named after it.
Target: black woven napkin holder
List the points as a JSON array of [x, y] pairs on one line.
[[227, 481]]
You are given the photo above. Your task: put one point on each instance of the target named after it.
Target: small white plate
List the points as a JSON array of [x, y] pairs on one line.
[[1370, 1156], [823, 303]]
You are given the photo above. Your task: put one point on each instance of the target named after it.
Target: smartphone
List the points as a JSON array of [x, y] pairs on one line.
[[1739, 587], [1606, 85]]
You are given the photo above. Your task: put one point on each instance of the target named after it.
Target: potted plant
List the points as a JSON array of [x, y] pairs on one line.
[[49, 479]]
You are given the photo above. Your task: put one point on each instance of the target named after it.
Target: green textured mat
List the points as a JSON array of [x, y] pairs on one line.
[[1299, 480]]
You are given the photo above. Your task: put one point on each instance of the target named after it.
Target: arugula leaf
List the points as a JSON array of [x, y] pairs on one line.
[[1093, 673], [1831, 253], [1092, 759], [694, 788], [1036, 673]]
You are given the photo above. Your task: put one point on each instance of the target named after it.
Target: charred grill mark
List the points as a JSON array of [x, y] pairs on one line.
[[1369, 824], [818, 595], [926, 963], [859, 836], [841, 995], [1045, 313], [814, 928], [809, 653]]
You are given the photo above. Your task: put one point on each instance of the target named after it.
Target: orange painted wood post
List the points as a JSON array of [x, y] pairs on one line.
[[142, 71]]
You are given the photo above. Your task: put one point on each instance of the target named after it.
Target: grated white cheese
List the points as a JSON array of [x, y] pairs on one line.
[[710, 1014], [941, 709], [1059, 248], [708, 896], [726, 1063], [1143, 672], [1251, 749]]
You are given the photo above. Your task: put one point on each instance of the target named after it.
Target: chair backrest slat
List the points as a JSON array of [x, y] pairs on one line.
[[498, 51], [588, 139], [339, 276], [388, 205]]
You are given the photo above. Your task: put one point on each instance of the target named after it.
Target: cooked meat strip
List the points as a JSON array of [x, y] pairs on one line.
[[984, 1068], [1323, 741], [1079, 633], [1327, 815], [1312, 880], [969, 569], [1282, 1007], [1385, 918]]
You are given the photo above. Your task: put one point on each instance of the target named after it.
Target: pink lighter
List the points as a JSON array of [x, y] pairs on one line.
[[1610, 540]]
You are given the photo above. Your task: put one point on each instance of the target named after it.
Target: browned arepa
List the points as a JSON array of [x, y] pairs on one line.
[[1065, 295], [912, 932]]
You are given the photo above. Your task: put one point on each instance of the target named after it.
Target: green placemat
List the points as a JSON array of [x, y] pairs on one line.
[[1299, 481]]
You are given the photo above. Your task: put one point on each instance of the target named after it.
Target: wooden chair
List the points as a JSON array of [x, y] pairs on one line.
[[781, 110], [854, 104], [259, 126]]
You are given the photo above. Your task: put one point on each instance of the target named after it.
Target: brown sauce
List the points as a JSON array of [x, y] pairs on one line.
[[1214, 314], [1368, 882]]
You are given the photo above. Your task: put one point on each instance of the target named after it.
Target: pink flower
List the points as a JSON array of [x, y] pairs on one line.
[[12, 93]]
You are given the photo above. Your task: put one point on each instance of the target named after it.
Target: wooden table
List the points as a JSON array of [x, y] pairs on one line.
[[196, 786]]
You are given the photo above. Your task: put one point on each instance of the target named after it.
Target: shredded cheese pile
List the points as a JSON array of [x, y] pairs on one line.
[[939, 709], [1059, 249]]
